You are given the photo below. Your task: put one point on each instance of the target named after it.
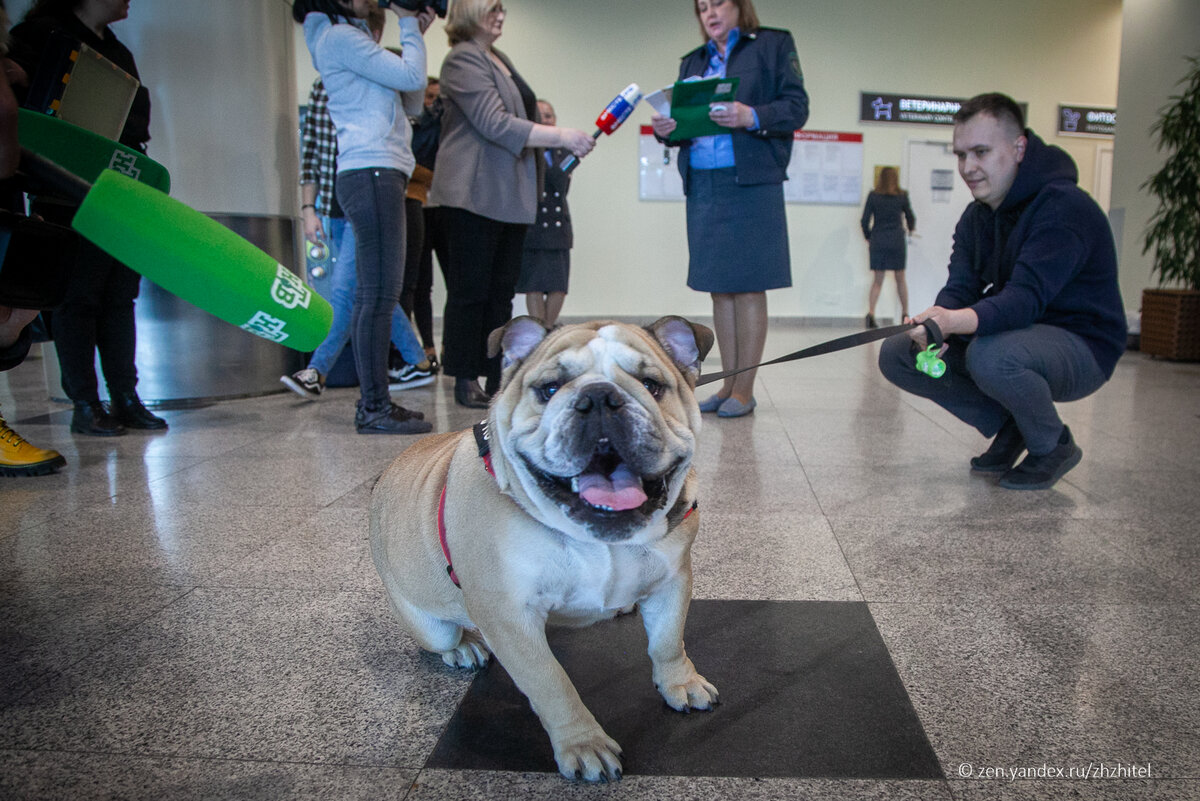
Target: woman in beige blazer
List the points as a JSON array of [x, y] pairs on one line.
[[486, 182]]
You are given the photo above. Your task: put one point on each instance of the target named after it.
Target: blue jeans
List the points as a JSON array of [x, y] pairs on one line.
[[1019, 373], [373, 200], [340, 236]]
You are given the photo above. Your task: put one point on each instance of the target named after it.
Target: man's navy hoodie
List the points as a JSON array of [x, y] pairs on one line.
[[1045, 256]]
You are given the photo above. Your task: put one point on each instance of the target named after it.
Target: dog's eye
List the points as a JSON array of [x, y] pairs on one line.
[[546, 391], [653, 387]]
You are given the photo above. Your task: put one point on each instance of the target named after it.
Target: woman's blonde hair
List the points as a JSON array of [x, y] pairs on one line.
[[888, 182], [747, 17], [465, 18]]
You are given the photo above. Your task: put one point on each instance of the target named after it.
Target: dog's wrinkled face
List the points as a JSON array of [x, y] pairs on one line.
[[598, 422]]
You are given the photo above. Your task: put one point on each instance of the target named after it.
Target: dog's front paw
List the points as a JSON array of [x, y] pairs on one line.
[[592, 756], [693, 692], [471, 652]]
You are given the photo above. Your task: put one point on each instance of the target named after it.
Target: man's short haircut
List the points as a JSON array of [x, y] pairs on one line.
[[999, 107]]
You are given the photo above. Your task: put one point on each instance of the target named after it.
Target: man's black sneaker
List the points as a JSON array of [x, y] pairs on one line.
[[1041, 472], [1002, 454], [390, 419], [410, 376]]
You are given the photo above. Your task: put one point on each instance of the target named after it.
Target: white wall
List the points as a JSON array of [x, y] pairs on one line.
[[630, 257], [1158, 34]]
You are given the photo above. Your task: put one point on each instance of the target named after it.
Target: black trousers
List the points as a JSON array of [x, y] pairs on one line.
[[416, 298], [97, 314], [484, 262]]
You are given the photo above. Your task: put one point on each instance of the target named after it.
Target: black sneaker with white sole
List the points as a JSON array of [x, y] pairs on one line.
[[410, 376], [306, 383]]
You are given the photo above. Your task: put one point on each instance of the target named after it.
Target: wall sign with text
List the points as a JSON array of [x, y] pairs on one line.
[[907, 109], [1086, 121]]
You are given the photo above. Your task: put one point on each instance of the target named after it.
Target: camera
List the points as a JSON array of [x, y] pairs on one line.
[[439, 6]]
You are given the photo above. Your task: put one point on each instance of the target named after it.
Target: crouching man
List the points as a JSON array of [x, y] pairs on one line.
[[1032, 311]]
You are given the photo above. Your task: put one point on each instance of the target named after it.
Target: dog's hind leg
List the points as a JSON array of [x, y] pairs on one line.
[[471, 651], [457, 646]]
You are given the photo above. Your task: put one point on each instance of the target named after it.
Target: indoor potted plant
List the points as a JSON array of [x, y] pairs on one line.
[[1171, 316]]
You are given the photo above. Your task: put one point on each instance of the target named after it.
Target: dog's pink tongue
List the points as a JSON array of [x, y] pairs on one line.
[[620, 491]]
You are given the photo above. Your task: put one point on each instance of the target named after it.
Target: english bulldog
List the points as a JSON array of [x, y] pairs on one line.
[[574, 502]]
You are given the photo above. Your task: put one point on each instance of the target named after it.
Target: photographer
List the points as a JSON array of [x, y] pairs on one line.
[[375, 160]]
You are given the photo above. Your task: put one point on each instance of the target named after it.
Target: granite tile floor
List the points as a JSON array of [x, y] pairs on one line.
[[195, 614]]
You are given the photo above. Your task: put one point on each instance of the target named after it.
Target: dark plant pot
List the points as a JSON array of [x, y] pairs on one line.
[[1171, 324]]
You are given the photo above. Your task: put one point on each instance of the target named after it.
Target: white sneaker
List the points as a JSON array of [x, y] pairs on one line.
[[306, 383]]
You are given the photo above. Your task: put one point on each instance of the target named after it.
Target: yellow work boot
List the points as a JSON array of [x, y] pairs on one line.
[[19, 458]]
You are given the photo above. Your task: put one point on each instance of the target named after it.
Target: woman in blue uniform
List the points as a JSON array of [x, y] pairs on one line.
[[737, 229]]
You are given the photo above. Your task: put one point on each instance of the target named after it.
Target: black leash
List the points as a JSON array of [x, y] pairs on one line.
[[841, 343]]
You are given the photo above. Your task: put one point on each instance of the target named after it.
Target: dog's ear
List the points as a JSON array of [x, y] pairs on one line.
[[687, 343], [516, 339]]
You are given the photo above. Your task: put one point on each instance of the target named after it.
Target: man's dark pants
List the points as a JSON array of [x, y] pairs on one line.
[[1020, 373]]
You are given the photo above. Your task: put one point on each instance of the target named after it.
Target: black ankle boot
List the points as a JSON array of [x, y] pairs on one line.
[[93, 419], [467, 393], [128, 409]]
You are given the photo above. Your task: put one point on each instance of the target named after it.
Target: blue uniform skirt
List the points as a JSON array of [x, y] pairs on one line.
[[544, 270], [737, 235]]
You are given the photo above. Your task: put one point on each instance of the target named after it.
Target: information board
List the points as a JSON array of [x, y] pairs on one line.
[[826, 168]]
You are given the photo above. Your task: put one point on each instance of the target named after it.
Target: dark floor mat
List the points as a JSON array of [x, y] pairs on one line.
[[807, 689]]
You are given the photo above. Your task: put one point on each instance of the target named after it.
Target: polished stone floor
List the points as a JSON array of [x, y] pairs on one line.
[[195, 615]]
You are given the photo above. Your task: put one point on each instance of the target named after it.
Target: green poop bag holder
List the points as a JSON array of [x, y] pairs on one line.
[[929, 360]]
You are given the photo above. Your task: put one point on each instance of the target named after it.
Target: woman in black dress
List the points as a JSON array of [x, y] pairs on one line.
[[887, 205]]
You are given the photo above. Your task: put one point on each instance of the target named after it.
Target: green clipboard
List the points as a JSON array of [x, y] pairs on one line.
[[690, 102]]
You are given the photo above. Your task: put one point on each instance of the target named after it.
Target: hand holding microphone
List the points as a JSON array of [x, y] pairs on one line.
[[609, 120], [577, 141]]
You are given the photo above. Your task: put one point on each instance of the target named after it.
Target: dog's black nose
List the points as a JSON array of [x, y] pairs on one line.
[[599, 396]]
